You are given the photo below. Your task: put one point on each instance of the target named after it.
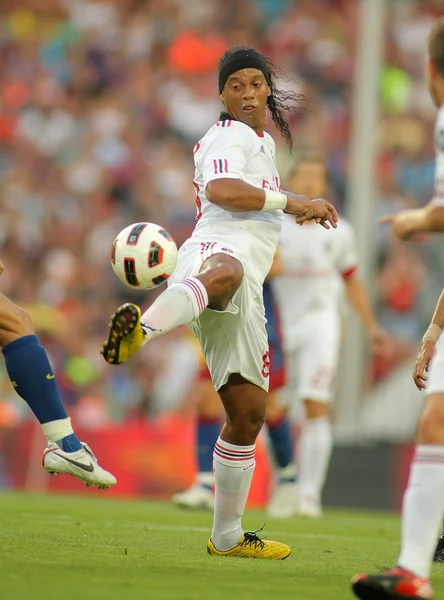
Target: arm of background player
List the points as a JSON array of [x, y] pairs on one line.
[[407, 223], [430, 218], [359, 300], [427, 349]]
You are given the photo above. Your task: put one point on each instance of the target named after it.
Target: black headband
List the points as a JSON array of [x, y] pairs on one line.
[[242, 59]]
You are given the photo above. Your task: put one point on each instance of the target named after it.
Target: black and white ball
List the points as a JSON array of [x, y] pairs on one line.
[[143, 255]]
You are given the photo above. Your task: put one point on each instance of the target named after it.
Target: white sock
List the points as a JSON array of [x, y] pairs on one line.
[[233, 472], [422, 510], [177, 305], [57, 430], [315, 448]]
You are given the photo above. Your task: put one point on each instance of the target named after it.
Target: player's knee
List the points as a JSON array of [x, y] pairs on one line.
[[16, 323], [221, 277], [25, 325], [246, 426], [226, 280]]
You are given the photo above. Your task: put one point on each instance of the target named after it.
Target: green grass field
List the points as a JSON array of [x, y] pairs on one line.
[[71, 548]]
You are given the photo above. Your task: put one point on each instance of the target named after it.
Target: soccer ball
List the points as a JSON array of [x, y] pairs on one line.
[[143, 255]]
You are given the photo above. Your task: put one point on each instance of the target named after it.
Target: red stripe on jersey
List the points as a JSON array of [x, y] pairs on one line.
[[218, 124], [225, 165], [349, 272], [198, 202], [196, 148], [215, 166]]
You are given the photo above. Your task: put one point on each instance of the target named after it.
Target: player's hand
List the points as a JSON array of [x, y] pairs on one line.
[[403, 224], [318, 210], [382, 343], [422, 364]]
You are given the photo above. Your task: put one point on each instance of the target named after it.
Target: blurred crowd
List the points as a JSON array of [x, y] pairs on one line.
[[101, 103]]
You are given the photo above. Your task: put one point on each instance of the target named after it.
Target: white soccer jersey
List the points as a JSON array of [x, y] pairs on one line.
[[314, 260], [233, 150], [438, 197]]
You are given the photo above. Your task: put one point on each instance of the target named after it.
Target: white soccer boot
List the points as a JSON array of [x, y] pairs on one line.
[[310, 507], [82, 464], [284, 500], [197, 496]]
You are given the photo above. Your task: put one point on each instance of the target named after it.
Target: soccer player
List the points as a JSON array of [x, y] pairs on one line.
[[317, 268], [216, 288], [31, 376], [423, 505], [209, 417]]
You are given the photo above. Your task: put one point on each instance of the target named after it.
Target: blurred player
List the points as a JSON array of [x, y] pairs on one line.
[[423, 505], [209, 417], [216, 288], [310, 286], [31, 376]]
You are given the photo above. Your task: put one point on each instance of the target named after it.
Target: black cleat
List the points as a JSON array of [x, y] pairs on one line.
[[395, 584], [439, 552]]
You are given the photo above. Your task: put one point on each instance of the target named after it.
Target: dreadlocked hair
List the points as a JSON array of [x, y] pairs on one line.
[[280, 101]]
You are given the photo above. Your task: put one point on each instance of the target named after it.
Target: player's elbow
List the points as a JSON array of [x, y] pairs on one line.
[[217, 192]]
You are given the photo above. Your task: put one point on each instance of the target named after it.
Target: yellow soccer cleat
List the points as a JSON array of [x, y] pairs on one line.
[[126, 335], [252, 546]]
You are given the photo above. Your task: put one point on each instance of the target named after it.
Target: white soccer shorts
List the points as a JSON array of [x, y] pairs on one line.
[[312, 353], [235, 340]]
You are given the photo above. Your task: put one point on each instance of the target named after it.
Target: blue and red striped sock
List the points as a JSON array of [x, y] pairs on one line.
[[281, 440], [207, 432]]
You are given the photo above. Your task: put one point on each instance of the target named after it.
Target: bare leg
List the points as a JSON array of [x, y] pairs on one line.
[[234, 457]]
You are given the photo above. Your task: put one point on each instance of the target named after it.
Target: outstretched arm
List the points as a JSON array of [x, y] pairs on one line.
[[430, 218], [236, 195], [407, 223], [427, 349]]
